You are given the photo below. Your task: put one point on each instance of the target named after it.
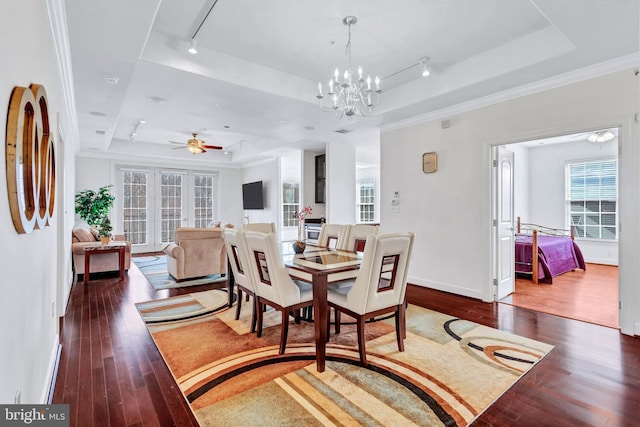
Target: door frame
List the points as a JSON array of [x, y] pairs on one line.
[[628, 249]]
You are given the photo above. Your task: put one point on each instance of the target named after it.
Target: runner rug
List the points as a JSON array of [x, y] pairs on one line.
[[451, 369], [154, 269]]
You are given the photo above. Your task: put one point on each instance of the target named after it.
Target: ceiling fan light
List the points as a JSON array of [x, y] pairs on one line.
[[194, 149], [193, 47], [601, 136]]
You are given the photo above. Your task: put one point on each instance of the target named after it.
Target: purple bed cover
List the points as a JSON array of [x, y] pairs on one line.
[[557, 255]]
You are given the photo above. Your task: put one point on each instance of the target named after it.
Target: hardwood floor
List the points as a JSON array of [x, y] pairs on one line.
[[590, 296], [111, 373]]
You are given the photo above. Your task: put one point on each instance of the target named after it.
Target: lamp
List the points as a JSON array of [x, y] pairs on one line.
[[193, 47], [347, 96], [601, 136]]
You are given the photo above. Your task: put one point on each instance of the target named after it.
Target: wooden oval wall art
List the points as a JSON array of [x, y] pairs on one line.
[[31, 165]]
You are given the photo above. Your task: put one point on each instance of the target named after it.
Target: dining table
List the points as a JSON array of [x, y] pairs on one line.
[[321, 266]]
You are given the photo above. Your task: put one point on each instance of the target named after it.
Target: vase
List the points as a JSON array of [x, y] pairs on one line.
[[298, 246], [105, 240]]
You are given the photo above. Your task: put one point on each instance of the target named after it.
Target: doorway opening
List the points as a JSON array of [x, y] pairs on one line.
[[566, 182]]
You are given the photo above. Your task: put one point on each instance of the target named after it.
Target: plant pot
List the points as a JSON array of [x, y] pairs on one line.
[[105, 240], [298, 246]]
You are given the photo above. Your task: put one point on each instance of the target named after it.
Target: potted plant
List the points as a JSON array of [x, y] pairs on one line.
[[93, 206], [299, 245], [105, 230]]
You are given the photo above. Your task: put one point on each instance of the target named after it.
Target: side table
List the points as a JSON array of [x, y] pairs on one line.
[[103, 249]]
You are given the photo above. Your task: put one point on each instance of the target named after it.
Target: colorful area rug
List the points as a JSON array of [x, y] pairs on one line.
[[154, 269], [451, 369]]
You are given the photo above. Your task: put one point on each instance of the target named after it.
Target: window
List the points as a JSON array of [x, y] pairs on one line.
[[203, 191], [290, 203], [134, 206], [171, 203], [592, 196], [366, 198]]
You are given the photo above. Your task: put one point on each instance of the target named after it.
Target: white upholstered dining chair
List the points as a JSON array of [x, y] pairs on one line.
[[333, 235], [238, 255], [357, 237], [273, 285], [379, 287]]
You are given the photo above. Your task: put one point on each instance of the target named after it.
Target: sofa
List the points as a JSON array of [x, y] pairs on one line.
[[83, 236], [196, 252]]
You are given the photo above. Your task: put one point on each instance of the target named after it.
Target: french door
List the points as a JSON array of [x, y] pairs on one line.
[[153, 202]]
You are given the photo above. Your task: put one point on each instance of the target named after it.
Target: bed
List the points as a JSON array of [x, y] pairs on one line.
[[557, 252]]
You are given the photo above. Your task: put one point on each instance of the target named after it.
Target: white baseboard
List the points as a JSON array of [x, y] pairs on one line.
[[446, 287], [51, 371], [603, 261]]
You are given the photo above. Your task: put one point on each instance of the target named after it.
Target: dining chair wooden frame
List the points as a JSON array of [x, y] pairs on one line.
[[273, 285], [238, 255], [379, 289]]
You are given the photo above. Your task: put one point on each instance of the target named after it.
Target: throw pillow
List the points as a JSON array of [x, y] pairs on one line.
[[95, 233], [83, 235]]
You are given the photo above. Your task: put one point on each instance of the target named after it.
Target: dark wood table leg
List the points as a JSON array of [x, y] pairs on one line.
[[231, 281], [320, 318], [121, 262], [87, 257]]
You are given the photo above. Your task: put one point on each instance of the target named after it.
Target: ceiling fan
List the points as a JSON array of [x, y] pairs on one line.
[[197, 146]]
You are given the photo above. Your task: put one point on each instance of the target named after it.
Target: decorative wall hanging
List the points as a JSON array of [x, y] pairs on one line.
[[430, 162], [30, 156]]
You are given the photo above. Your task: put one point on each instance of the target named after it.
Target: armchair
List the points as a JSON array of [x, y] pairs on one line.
[[196, 252]]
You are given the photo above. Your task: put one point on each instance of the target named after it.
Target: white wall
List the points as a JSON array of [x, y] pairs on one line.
[[29, 262], [450, 210], [547, 191], [521, 180], [268, 172], [341, 178]]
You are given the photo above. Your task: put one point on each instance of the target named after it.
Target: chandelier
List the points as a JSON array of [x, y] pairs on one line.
[[348, 96]]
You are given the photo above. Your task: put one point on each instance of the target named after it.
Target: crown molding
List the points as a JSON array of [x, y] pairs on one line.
[[59, 31], [597, 70]]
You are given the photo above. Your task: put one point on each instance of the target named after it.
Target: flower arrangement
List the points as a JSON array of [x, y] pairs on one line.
[[301, 215]]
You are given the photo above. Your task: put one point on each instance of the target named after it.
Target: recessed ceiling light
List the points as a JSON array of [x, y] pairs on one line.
[[309, 128], [280, 121], [111, 79], [100, 132], [156, 99], [227, 126], [97, 113]]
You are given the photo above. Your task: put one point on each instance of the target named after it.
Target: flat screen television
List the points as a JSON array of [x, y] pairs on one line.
[[252, 195]]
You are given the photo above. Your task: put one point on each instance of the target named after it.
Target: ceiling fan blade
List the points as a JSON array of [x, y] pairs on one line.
[[212, 147]]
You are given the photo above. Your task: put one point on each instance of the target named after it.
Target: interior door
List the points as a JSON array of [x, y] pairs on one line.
[[505, 237]]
